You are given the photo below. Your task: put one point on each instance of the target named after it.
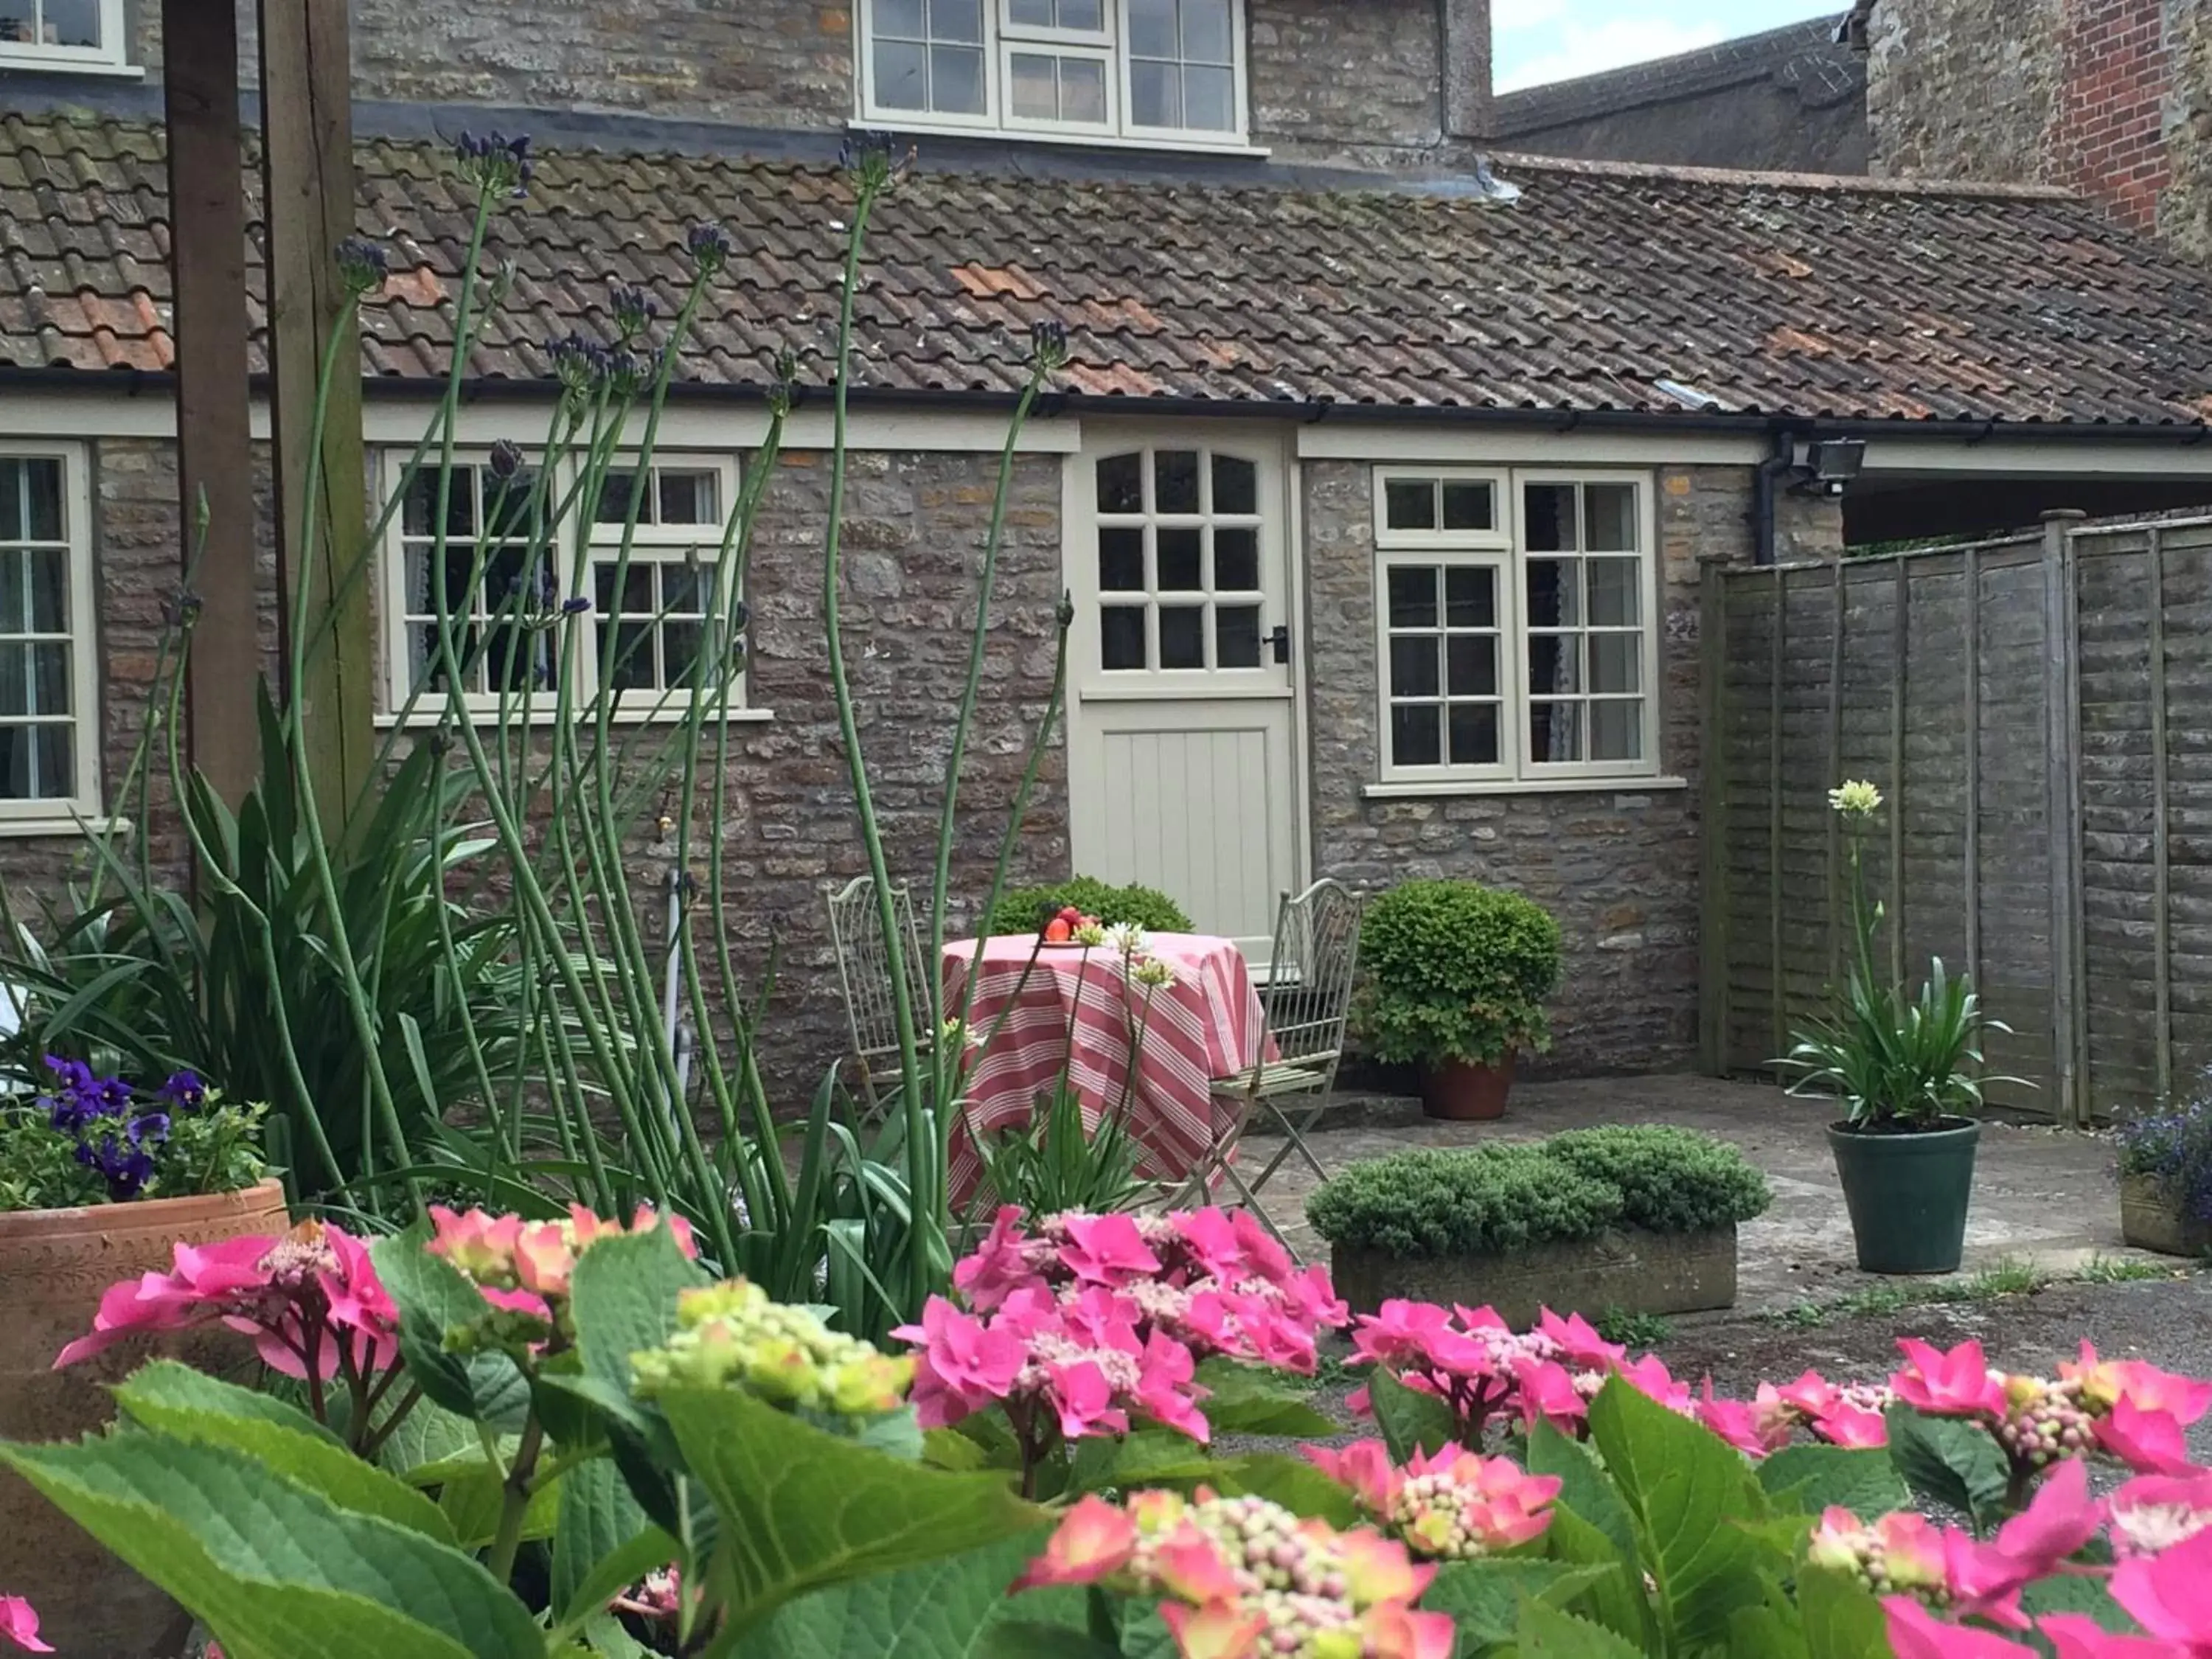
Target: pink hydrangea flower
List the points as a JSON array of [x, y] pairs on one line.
[[1106, 1250], [2154, 1512], [310, 1299], [2077, 1636], [1916, 1633], [2170, 1595], [19, 1624], [965, 1366], [1959, 1383], [2148, 1441]]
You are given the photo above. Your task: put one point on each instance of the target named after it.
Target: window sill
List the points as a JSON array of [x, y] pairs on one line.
[[544, 719], [34, 65], [1649, 785], [904, 122], [35, 829]]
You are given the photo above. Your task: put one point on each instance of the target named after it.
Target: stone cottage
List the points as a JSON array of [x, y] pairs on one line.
[[1381, 477]]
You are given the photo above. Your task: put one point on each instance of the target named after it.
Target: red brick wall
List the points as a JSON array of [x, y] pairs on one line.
[[2109, 137]]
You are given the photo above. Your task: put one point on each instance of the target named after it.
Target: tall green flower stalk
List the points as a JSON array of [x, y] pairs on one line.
[[547, 845]]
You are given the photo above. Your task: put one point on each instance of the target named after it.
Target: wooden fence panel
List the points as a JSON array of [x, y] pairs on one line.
[[1926, 674]]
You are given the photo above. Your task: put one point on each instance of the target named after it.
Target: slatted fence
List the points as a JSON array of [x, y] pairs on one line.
[[2038, 711]]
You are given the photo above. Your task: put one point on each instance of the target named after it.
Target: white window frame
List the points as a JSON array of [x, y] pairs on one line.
[[576, 552], [1002, 39], [83, 603], [112, 54], [660, 545], [1504, 548]]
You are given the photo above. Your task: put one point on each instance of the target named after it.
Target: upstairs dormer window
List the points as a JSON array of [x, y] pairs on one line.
[[61, 35], [1154, 72]]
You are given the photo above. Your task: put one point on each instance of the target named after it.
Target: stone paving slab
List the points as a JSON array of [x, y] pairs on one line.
[[2048, 1197]]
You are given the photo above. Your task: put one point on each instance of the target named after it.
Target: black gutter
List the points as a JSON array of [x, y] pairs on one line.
[[1704, 422]]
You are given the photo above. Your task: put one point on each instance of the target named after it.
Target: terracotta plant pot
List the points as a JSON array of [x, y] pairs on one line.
[[1459, 1093], [2149, 1220], [54, 1264]]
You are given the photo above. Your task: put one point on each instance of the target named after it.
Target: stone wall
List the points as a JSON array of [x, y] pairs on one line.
[[1963, 88], [1618, 867], [1359, 84], [915, 529], [2110, 97]]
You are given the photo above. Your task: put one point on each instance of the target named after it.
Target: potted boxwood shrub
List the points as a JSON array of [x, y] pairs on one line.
[[1642, 1218], [1905, 1065], [2165, 1179], [1456, 976], [99, 1182]]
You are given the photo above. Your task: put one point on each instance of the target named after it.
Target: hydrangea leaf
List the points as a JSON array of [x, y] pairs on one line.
[[956, 1609], [1810, 1479], [271, 1567], [1410, 1421], [801, 1509], [433, 1296], [1690, 1493], [1485, 1597], [1950, 1461], [193, 1406]]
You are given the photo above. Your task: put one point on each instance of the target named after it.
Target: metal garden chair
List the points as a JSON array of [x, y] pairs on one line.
[[864, 973], [1306, 999]]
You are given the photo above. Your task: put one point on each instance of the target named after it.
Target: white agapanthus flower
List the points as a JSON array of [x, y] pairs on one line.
[[1127, 938], [1856, 800]]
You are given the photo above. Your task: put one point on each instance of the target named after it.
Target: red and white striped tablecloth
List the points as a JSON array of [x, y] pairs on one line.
[[1075, 1007]]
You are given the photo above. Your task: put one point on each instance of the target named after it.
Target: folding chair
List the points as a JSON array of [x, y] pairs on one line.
[[1306, 999], [864, 973]]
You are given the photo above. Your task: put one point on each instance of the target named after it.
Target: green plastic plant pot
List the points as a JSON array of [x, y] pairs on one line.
[[1908, 1194]]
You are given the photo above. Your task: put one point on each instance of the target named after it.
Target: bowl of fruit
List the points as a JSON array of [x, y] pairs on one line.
[[1070, 930]]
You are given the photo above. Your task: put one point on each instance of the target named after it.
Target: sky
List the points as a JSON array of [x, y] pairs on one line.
[[1543, 40]]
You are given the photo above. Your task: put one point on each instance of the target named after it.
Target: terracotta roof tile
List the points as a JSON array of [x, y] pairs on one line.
[[1772, 295]]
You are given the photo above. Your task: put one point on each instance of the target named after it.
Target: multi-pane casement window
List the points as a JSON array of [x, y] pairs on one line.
[[506, 582], [1516, 614], [61, 35], [49, 690], [1156, 71]]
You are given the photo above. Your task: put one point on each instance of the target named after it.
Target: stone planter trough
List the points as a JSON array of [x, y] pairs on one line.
[[2151, 1221], [1632, 1270]]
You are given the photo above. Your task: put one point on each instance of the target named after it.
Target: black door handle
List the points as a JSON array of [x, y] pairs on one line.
[[1280, 639]]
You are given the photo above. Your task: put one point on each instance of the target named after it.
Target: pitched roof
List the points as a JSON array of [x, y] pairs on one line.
[[1803, 55], [1774, 295]]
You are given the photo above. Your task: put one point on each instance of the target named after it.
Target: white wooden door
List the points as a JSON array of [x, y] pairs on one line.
[[1182, 707]]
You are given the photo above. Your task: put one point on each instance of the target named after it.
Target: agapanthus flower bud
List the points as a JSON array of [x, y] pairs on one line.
[[506, 460], [634, 308], [181, 607], [362, 266], [872, 160], [708, 246], [494, 163], [1049, 345], [576, 606], [578, 361]]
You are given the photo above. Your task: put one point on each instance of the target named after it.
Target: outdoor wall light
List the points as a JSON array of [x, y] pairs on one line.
[[1830, 464]]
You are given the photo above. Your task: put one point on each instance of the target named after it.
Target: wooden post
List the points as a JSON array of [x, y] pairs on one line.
[[215, 445], [1779, 997], [1713, 819], [1833, 821], [1971, 877], [2062, 779], [1899, 643], [2161, 831], [308, 150]]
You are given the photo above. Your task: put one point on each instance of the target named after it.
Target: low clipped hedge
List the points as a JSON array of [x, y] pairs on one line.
[[1026, 908], [1489, 1200]]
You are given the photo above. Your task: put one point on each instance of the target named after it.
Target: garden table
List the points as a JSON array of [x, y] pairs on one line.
[[1039, 1010]]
